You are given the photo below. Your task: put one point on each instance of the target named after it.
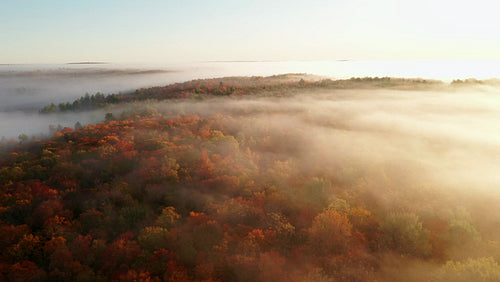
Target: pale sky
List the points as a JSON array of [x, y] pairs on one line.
[[122, 31]]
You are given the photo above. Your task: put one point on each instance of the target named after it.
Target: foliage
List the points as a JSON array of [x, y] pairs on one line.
[[404, 233], [278, 85], [481, 269], [151, 195]]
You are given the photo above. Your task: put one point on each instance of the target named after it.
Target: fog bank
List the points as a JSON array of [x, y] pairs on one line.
[[452, 138]]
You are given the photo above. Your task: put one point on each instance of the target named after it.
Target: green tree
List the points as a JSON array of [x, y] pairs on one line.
[[403, 232], [109, 117], [23, 138], [78, 125]]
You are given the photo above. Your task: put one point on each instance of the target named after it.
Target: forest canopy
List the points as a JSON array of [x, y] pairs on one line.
[[285, 178]]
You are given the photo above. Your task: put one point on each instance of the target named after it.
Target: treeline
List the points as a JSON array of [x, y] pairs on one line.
[[154, 197], [473, 81], [277, 85], [87, 102]]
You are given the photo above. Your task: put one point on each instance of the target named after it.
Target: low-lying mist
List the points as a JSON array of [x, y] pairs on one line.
[[432, 154], [34, 124], [357, 184], [24, 91], [31, 89], [447, 137]]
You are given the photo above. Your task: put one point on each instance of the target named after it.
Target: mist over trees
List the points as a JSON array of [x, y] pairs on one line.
[[281, 179]]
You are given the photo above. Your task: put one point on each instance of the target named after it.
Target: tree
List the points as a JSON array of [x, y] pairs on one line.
[[78, 125], [28, 248], [330, 233], [109, 117], [25, 271], [403, 233], [168, 218], [153, 238], [49, 108], [121, 254], [23, 138]]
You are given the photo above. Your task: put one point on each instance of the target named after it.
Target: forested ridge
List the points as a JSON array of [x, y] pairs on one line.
[[158, 194], [278, 85]]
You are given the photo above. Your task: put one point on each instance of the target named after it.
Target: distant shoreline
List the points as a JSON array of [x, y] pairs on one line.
[[69, 72], [273, 61], [88, 63]]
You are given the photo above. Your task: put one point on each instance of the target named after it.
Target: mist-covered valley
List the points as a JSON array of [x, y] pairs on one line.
[[284, 178]]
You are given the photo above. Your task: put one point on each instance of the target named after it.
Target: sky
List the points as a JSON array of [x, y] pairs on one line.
[[55, 31]]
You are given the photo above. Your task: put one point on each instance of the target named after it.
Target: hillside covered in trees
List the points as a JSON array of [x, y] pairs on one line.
[[285, 178], [237, 87]]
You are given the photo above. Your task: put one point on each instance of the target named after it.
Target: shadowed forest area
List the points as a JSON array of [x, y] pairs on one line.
[[284, 178]]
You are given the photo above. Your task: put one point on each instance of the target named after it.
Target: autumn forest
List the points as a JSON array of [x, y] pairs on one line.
[[283, 178]]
